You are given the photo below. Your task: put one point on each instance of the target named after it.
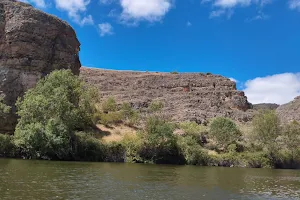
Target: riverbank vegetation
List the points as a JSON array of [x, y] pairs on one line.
[[62, 118]]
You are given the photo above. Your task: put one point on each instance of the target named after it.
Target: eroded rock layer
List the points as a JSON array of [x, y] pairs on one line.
[[32, 44], [289, 112], [191, 96]]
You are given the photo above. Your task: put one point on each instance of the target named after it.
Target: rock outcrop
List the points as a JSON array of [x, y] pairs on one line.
[[32, 44], [290, 111], [189, 96], [265, 106]]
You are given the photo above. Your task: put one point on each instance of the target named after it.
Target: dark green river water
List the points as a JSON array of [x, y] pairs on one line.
[[24, 179]]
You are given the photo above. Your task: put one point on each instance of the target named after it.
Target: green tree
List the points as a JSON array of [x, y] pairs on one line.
[[160, 144], [266, 126], [50, 114], [291, 135], [224, 131]]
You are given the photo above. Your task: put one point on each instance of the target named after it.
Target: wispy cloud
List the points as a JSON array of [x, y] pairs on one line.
[[294, 4], [75, 10], [227, 7], [37, 3], [279, 88], [105, 29]]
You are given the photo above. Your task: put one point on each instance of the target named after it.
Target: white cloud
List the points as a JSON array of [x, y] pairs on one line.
[[234, 80], [231, 3], [226, 7], [294, 4], [279, 88], [106, 2], [38, 3], [105, 29], [144, 10], [75, 8]]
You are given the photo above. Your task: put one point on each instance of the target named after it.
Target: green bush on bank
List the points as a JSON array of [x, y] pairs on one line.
[[50, 113], [7, 147], [224, 131]]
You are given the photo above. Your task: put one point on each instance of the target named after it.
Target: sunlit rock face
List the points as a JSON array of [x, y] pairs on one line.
[[188, 96], [32, 44]]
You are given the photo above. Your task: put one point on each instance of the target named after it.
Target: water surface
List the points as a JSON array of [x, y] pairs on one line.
[[25, 179]]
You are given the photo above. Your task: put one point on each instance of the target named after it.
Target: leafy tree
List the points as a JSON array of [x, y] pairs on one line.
[[224, 131], [291, 135], [160, 144], [51, 112], [266, 126]]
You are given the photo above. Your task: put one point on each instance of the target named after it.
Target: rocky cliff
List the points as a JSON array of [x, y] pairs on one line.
[[32, 44], [191, 96], [290, 111]]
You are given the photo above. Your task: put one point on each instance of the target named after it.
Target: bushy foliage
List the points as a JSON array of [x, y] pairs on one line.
[[156, 106], [193, 153], [160, 144], [291, 137], [266, 126], [7, 147], [88, 148], [133, 145], [51, 112], [193, 129], [129, 115], [224, 131], [109, 105], [174, 72], [111, 118]]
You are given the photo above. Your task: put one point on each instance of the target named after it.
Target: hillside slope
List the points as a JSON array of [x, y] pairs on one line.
[[189, 96]]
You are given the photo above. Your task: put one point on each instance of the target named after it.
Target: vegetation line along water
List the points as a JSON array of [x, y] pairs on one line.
[[59, 119]]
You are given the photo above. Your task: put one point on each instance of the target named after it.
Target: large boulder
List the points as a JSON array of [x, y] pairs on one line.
[[32, 44]]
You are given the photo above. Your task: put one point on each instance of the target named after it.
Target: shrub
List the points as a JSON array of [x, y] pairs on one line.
[[7, 147], [110, 118], [266, 126], [224, 131], [51, 112], [109, 105], [156, 106], [133, 145], [291, 137], [129, 115], [115, 152], [174, 72], [160, 144], [192, 151], [88, 148], [193, 129]]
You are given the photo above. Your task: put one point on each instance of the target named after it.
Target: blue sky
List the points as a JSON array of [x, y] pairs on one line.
[[256, 42]]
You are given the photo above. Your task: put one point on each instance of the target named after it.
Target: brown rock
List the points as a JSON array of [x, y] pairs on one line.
[[290, 111], [190, 96], [32, 44]]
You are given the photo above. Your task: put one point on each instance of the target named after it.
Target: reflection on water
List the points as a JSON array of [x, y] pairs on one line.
[[22, 179]]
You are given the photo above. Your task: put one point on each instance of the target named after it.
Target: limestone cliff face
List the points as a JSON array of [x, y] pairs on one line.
[[192, 96], [32, 44]]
